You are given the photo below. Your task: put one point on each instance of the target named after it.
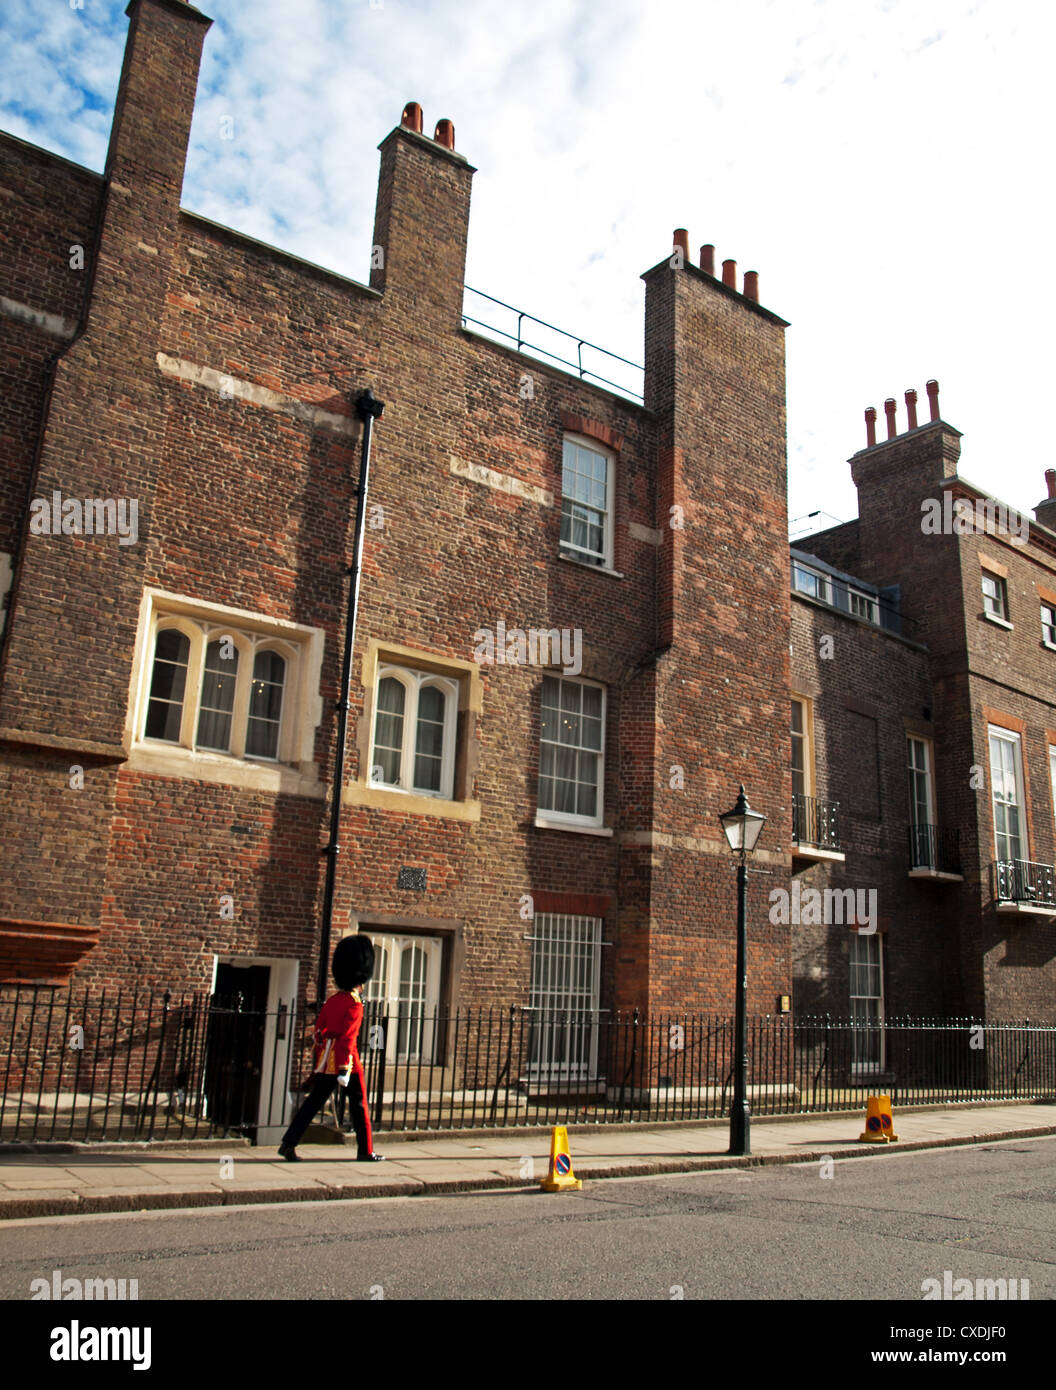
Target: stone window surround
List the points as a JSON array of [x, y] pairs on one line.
[[413, 682], [467, 678], [296, 771]]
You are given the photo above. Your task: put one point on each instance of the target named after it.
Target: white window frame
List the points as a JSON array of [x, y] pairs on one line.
[[822, 590], [566, 817], [863, 600], [1048, 629], [996, 734], [929, 783], [293, 768], [1052, 777], [591, 557], [247, 646], [995, 605], [874, 1064], [414, 682], [564, 944], [412, 1023]]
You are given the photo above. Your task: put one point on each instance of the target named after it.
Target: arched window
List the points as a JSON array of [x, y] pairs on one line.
[[265, 705], [168, 685], [414, 732], [217, 690], [219, 677]]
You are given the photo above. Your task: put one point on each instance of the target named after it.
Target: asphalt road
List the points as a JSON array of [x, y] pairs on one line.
[[875, 1229]]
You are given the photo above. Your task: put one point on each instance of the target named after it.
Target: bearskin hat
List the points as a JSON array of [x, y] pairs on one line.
[[353, 962]]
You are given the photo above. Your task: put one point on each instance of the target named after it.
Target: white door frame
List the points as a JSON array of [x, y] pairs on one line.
[[282, 989]]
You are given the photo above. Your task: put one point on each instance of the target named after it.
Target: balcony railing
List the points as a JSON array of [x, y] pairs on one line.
[[934, 847], [816, 823], [1019, 881]]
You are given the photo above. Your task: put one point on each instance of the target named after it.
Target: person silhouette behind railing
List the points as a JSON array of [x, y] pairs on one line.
[[336, 1054]]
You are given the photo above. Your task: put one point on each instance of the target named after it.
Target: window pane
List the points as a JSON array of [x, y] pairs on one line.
[[563, 997], [388, 731], [587, 800], [168, 682], [799, 744], [571, 745], [429, 745], [1004, 760], [218, 696], [265, 705], [584, 490]]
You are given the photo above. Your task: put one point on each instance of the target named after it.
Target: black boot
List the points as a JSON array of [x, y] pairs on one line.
[[370, 1158]]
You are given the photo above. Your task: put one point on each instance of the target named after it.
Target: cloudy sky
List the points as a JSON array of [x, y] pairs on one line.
[[884, 164]]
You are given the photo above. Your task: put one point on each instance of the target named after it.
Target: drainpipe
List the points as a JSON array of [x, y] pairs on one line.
[[368, 410]]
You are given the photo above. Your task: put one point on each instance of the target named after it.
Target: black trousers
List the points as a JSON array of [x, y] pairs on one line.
[[323, 1087]]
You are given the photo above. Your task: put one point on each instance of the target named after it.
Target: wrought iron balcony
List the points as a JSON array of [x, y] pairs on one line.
[[934, 847], [816, 823], [1017, 881]]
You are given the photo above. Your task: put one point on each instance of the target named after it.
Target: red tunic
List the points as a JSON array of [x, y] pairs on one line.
[[336, 1031]]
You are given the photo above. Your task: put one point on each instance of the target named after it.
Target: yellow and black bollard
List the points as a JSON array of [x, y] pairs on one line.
[[879, 1122], [560, 1177]]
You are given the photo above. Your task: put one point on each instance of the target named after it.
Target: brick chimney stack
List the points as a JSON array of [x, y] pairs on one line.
[[715, 380], [421, 223], [1045, 511]]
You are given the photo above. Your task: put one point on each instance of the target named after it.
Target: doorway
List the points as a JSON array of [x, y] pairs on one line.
[[234, 1049]]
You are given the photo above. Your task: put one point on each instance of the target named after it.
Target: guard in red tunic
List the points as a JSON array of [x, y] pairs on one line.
[[336, 1056]]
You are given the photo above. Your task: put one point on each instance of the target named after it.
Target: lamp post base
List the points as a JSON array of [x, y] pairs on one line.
[[740, 1131]]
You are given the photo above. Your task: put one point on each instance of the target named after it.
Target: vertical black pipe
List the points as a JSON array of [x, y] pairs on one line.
[[740, 1123], [369, 410]]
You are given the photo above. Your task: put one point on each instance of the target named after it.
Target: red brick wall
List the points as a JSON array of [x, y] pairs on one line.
[[869, 689], [1007, 964], [250, 507]]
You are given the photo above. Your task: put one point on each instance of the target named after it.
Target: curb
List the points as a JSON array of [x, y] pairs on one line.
[[14, 1147], [67, 1204]]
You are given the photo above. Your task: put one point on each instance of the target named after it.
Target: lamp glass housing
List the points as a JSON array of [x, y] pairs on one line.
[[742, 826]]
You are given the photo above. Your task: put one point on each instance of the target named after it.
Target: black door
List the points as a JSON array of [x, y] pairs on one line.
[[235, 1045]]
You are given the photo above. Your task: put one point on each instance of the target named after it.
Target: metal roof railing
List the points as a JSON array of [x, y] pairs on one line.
[[523, 345]]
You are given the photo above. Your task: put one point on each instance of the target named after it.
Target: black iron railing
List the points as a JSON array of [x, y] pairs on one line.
[[142, 1067], [1020, 881], [123, 1065], [516, 1066], [934, 847], [816, 823]]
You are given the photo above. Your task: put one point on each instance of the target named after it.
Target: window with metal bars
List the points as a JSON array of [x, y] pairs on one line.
[[564, 995]]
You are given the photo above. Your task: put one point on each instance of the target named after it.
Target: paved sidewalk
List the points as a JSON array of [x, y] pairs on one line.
[[99, 1178]]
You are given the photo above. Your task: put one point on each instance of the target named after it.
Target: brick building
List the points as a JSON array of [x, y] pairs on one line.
[[168, 687], [924, 725], [567, 657]]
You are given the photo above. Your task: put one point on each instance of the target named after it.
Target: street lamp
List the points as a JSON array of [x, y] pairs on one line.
[[742, 827]]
